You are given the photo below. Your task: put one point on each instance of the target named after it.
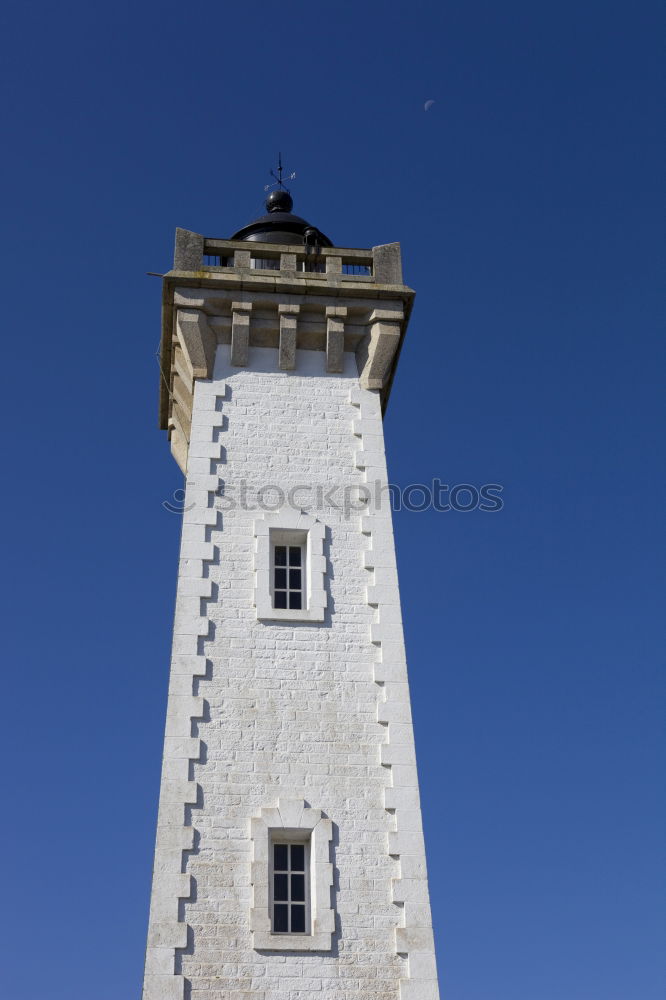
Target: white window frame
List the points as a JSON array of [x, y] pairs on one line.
[[295, 822], [289, 539], [286, 838], [291, 527]]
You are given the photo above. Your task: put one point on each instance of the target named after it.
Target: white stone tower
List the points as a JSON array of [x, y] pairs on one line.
[[289, 860]]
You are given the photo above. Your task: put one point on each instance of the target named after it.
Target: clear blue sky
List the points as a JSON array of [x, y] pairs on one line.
[[527, 202]]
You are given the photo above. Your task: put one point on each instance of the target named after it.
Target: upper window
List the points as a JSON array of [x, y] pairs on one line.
[[290, 567], [288, 574]]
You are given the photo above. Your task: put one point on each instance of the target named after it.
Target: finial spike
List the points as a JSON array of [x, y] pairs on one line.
[[278, 181]]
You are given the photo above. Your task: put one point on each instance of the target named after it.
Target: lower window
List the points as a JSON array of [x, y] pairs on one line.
[[292, 878], [290, 904]]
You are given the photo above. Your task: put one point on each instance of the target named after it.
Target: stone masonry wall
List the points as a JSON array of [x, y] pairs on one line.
[[261, 711]]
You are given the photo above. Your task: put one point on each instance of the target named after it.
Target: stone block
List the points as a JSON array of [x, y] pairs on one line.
[[419, 989], [172, 935], [163, 988], [410, 939], [387, 264], [188, 251]]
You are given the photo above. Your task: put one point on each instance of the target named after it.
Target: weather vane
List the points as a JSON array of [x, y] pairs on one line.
[[278, 177]]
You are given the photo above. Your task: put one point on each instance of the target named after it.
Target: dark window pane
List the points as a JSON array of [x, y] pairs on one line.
[[280, 599], [297, 888], [297, 919], [281, 918], [294, 578], [294, 600], [281, 578], [280, 555], [281, 886], [294, 555], [298, 857], [280, 857]]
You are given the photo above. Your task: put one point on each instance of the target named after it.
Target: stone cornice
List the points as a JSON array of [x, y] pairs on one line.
[[201, 308]]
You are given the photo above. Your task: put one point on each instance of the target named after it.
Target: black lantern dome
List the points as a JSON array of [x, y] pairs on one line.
[[280, 225]]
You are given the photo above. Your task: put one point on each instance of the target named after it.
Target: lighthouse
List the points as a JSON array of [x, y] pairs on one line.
[[289, 859]]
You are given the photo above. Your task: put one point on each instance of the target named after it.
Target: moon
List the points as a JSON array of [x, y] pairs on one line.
[[427, 106]]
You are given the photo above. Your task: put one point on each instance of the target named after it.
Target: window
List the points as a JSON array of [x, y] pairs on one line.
[[288, 572], [265, 263], [290, 567], [290, 902], [312, 266], [216, 260], [363, 269], [291, 873]]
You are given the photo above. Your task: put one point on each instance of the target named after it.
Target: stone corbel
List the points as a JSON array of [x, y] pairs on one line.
[[335, 338], [288, 327], [197, 341], [193, 357], [240, 333], [377, 351]]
